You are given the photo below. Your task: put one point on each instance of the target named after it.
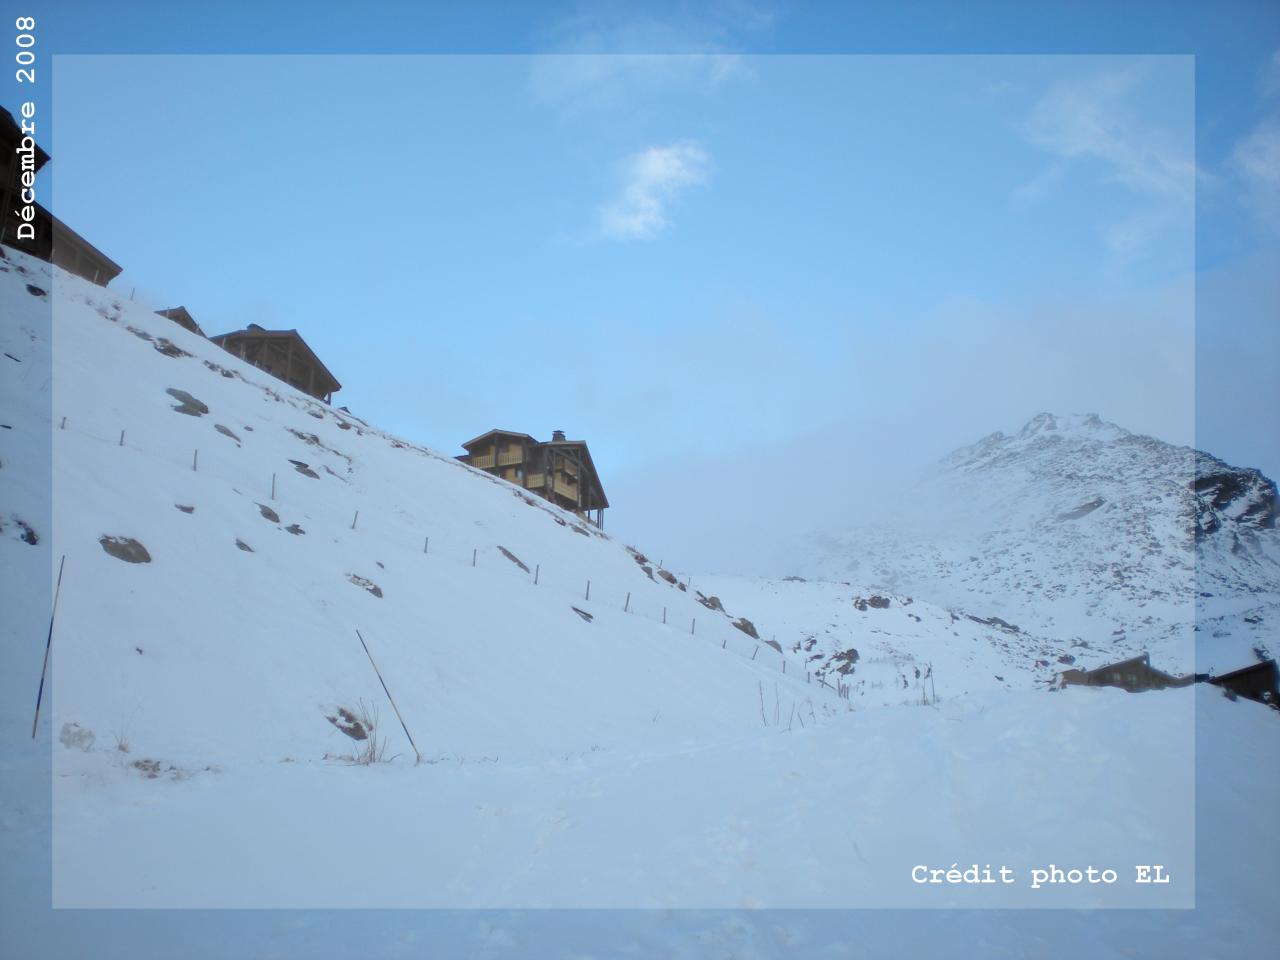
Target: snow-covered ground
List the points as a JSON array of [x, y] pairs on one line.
[[654, 755]]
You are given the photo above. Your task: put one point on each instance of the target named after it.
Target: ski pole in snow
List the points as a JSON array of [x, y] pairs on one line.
[[47, 644], [389, 697]]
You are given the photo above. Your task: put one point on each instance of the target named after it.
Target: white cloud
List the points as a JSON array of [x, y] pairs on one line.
[[655, 178], [1256, 162], [605, 57], [1095, 119]]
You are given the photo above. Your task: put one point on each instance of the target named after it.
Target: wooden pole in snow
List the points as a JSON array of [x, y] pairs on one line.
[[389, 697], [47, 644], [626, 607]]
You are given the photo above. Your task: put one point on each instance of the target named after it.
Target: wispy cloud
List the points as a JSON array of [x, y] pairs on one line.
[[1096, 119], [654, 179], [606, 56], [1103, 123], [1256, 162]]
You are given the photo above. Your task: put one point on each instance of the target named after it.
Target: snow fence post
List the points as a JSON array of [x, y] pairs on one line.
[[389, 697], [354, 519], [195, 461], [47, 644], [626, 607], [537, 572]]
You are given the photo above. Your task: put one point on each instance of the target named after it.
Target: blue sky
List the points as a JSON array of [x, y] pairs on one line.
[[705, 237]]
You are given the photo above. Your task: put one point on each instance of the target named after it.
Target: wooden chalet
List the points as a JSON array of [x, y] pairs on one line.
[[557, 470], [183, 318], [284, 355], [54, 241], [1135, 674], [1258, 681]]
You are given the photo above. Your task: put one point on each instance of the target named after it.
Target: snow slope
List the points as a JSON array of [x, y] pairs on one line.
[[615, 762]]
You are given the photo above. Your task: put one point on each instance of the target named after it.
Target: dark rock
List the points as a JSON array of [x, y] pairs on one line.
[[187, 403], [243, 546], [268, 513], [513, 558], [369, 585], [125, 548]]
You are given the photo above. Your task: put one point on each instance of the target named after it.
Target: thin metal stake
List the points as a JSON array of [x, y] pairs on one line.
[[354, 519], [626, 607], [47, 644], [537, 569], [273, 486], [195, 460], [389, 697], [122, 438]]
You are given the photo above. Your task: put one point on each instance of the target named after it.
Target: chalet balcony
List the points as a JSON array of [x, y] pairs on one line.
[[484, 462], [509, 459]]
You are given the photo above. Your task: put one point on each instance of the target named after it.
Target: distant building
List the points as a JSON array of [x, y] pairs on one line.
[[557, 470], [284, 355], [1258, 681], [1134, 674], [182, 317], [54, 241]]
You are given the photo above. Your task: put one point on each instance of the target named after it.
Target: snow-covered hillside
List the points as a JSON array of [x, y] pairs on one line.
[[1080, 532], [637, 748]]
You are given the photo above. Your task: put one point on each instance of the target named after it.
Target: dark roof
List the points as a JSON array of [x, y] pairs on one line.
[[255, 332], [489, 433], [1262, 666], [181, 316], [11, 132], [113, 268]]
